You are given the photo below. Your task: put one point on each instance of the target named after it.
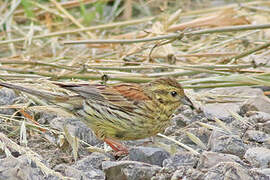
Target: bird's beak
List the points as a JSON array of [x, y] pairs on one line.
[[186, 101]]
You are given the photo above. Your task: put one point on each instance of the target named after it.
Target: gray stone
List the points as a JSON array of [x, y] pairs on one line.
[[258, 157], [227, 170], [235, 94], [223, 142], [261, 119], [180, 120], [263, 174], [73, 173], [76, 128], [258, 116], [187, 173], [257, 136], [260, 103], [21, 168], [7, 97], [181, 172], [129, 170], [181, 159], [209, 159], [154, 156], [200, 132], [94, 160], [164, 174], [221, 110], [264, 127]]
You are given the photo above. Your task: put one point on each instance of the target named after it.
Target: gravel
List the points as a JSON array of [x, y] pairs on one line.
[[239, 151]]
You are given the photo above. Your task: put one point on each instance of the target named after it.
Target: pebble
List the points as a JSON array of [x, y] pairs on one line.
[[258, 116], [220, 110], [223, 142], [260, 103], [83, 174], [209, 159], [265, 172], [257, 136], [12, 168], [182, 158], [76, 128], [94, 160], [129, 170], [187, 173], [150, 155], [258, 157], [7, 97], [227, 170]]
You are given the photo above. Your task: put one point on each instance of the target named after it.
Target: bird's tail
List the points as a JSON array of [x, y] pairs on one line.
[[46, 95]]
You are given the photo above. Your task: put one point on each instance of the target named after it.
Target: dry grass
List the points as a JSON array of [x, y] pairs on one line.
[[46, 41]]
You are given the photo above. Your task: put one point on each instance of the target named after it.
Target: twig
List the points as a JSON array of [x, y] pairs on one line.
[[226, 41], [172, 36], [36, 63], [179, 143], [126, 41], [103, 26], [229, 29], [77, 76], [246, 53]]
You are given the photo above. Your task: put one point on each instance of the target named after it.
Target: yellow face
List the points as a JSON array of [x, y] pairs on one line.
[[168, 91]]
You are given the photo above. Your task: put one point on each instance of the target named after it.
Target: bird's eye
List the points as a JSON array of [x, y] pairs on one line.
[[173, 93]]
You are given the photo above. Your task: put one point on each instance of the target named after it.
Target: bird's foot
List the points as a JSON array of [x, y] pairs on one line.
[[119, 148]]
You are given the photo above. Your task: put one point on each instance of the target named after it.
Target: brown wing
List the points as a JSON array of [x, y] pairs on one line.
[[123, 95], [131, 92]]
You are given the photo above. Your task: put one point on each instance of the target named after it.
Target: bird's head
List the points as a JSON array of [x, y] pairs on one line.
[[169, 92]]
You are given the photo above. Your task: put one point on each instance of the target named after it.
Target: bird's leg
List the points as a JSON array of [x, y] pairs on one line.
[[119, 148]]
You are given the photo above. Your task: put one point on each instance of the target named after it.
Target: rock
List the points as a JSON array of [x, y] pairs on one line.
[[154, 156], [227, 170], [258, 157], [21, 168], [265, 127], [164, 174], [220, 110], [260, 103], [181, 159], [181, 120], [73, 173], [76, 128], [261, 119], [7, 97], [223, 142], [94, 160], [257, 136], [187, 173], [182, 172], [200, 132], [209, 159], [258, 116], [260, 173], [129, 170], [184, 115]]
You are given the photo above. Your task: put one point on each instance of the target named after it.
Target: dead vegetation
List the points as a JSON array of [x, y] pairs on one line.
[[202, 45]]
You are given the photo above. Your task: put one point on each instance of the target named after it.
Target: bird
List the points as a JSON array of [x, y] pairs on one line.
[[123, 111]]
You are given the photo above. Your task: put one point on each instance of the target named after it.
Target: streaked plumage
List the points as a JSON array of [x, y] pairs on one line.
[[124, 111]]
